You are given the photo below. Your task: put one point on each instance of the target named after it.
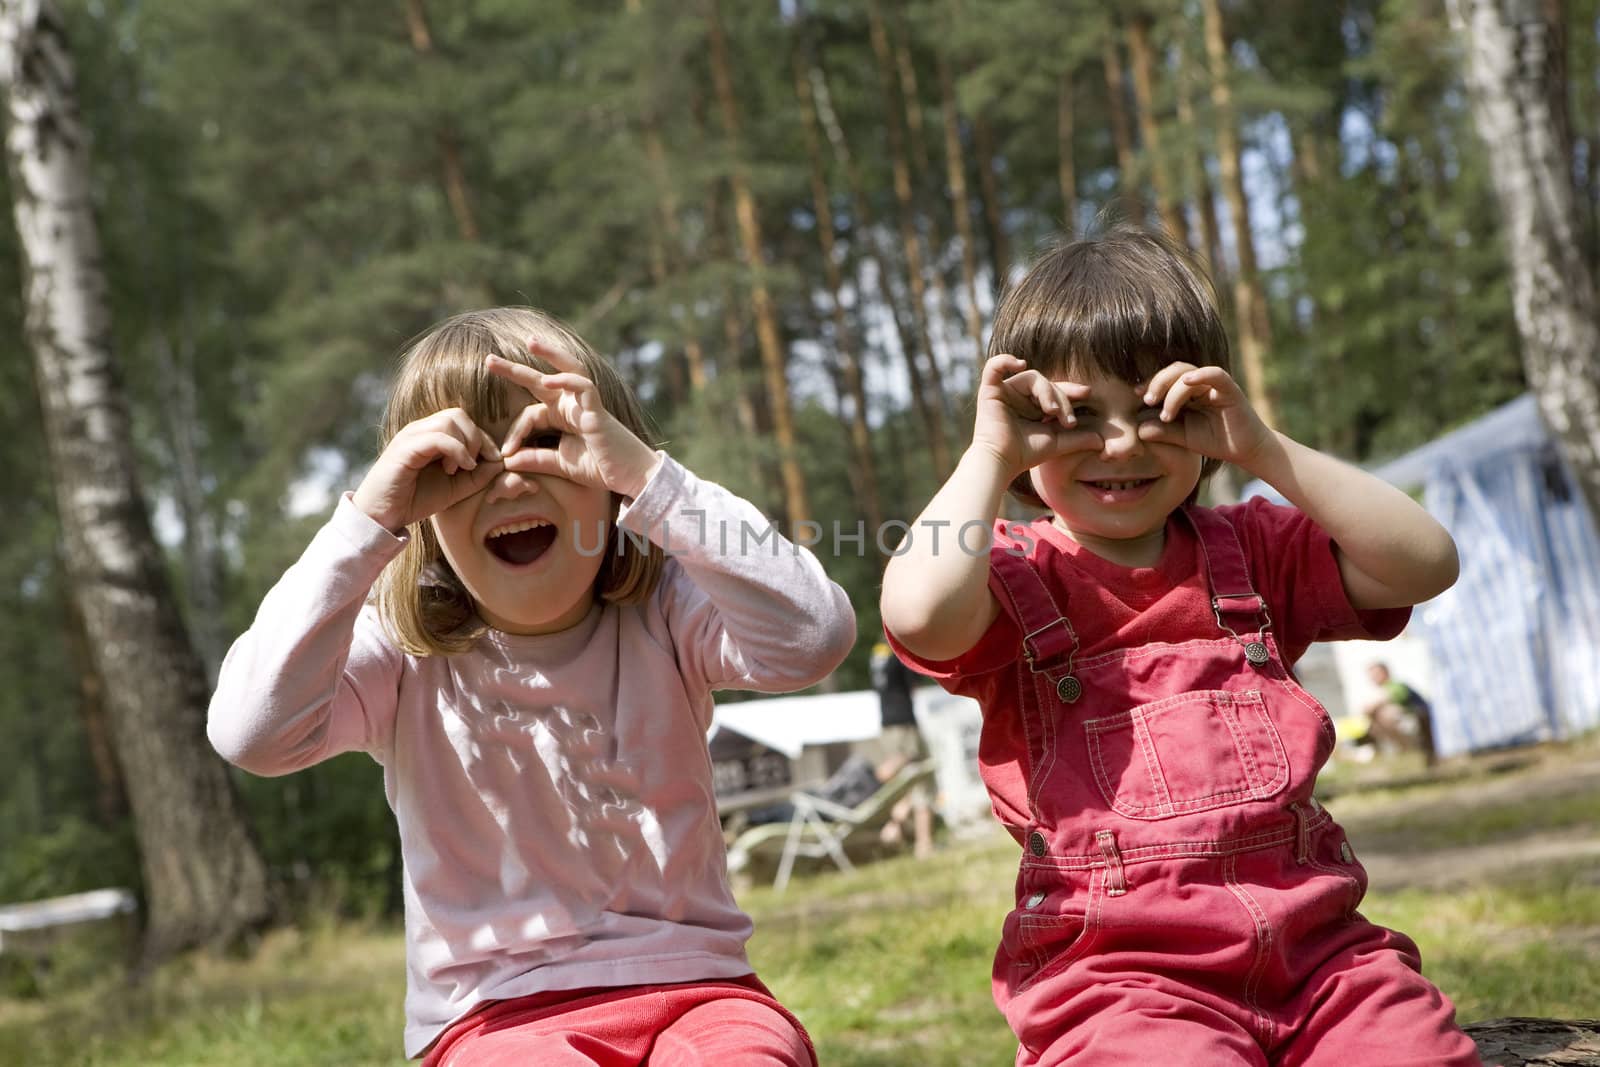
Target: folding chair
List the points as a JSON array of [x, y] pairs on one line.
[[820, 828]]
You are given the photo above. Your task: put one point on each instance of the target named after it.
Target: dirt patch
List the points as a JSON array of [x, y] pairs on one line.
[[1448, 868], [1410, 837]]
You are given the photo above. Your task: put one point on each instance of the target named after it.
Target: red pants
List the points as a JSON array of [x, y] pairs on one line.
[[688, 1024]]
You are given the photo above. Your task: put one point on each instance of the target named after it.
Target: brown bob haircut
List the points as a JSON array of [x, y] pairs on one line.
[[1124, 302], [421, 601]]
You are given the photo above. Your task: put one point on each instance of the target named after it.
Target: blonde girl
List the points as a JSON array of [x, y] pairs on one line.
[[521, 613]]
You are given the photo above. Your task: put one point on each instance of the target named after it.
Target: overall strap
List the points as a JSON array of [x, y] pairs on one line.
[[1047, 637], [1234, 600]]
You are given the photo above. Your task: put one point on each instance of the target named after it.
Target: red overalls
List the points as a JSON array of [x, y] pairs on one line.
[[1182, 898]]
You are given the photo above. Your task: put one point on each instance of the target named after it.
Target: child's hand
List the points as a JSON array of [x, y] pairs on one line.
[[1024, 418], [426, 467], [1204, 410], [567, 431]]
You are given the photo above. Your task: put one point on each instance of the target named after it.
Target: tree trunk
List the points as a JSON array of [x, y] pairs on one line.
[[1250, 304], [883, 261], [773, 364], [960, 202], [1198, 178], [1066, 158], [111, 794], [731, 363], [1537, 1042], [994, 211], [911, 97], [1150, 128], [864, 472], [911, 241], [670, 241], [202, 547], [1121, 135], [204, 880], [1519, 104], [449, 145]]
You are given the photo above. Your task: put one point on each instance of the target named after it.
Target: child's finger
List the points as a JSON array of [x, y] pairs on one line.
[[1154, 431], [1162, 380], [484, 444], [449, 450], [1178, 396], [1213, 382], [999, 367], [452, 421], [1049, 400], [530, 378], [1064, 441], [575, 384], [529, 421], [559, 358], [542, 461]]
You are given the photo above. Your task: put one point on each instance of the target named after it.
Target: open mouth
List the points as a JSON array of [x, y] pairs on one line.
[[521, 543]]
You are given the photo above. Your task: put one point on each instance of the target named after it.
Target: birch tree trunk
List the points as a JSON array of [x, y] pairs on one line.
[[773, 364], [1515, 80], [204, 880]]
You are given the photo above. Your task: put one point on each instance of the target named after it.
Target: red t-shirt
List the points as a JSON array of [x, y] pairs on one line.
[[1291, 565]]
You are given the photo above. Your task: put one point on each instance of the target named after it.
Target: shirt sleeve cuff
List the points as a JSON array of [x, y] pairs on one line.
[[661, 496], [361, 535]]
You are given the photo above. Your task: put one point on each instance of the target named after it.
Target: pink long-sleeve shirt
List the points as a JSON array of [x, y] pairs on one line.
[[553, 792]]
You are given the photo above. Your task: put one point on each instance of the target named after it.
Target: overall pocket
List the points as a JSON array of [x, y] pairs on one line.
[[1192, 752], [1044, 939]]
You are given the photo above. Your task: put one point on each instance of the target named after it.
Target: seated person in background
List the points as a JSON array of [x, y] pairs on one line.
[[856, 779], [1398, 718], [853, 783], [891, 680]]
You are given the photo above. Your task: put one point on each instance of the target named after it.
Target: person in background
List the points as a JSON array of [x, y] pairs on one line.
[[901, 739], [1398, 718]]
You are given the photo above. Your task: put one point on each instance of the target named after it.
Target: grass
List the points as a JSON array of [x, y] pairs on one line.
[[887, 966]]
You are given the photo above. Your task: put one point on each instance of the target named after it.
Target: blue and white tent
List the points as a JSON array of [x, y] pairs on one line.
[[1516, 642], [1514, 645]]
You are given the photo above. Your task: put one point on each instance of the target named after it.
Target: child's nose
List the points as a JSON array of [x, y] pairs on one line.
[[508, 485], [1120, 439]]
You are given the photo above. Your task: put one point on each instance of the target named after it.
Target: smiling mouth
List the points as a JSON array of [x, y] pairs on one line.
[[521, 543], [1122, 486]]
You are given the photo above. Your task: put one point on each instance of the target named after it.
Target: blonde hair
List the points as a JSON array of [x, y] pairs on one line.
[[420, 599], [1124, 302]]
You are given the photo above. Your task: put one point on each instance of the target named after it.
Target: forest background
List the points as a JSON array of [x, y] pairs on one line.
[[788, 223]]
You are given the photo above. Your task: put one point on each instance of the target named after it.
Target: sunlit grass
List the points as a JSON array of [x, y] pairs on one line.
[[887, 966]]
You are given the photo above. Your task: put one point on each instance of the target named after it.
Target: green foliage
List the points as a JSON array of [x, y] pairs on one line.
[[274, 187]]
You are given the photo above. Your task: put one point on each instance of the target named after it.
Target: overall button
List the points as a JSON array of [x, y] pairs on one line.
[[1069, 689], [1345, 853], [1035, 899], [1037, 844]]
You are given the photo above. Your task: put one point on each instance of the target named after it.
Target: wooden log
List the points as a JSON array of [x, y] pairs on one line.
[[1520, 1042]]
